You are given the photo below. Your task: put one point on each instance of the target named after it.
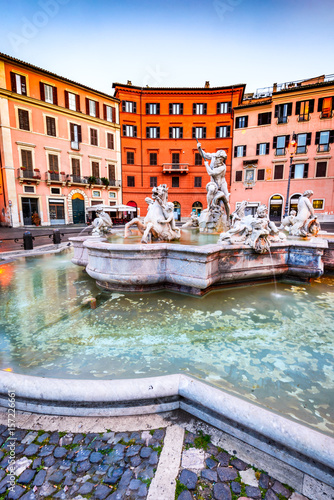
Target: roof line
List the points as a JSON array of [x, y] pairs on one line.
[[54, 75], [124, 85]]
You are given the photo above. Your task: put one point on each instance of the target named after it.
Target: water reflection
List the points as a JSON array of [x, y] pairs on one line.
[[273, 347]]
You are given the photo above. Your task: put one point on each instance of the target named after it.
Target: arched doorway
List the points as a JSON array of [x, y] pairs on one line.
[[275, 208], [177, 210], [132, 215], [293, 205], [78, 208], [197, 207]]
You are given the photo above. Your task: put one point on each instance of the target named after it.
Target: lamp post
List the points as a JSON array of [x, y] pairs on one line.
[[292, 148]]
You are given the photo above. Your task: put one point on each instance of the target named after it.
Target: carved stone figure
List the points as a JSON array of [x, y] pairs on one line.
[[305, 224], [159, 222], [256, 231], [288, 221], [216, 216], [102, 223], [192, 223]]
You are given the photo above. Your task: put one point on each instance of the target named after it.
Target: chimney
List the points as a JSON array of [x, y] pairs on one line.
[[207, 85], [129, 82], [275, 87]]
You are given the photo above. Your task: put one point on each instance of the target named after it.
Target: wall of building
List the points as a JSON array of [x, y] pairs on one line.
[[187, 193], [44, 187]]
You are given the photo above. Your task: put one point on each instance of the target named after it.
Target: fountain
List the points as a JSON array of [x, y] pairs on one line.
[[256, 365]]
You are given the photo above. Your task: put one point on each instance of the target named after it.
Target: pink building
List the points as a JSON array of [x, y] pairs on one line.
[[264, 126], [59, 145]]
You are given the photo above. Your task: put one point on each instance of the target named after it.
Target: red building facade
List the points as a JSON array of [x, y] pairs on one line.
[[159, 127]]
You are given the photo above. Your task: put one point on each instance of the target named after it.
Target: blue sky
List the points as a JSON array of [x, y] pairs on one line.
[[172, 42]]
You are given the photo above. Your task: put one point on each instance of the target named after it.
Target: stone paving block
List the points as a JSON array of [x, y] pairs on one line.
[[146, 452], [227, 474], [154, 458], [135, 461], [236, 487], [83, 466], [29, 438], [193, 459], [101, 492], [29, 496], [54, 438], [223, 458], [264, 481], [221, 491], [16, 493], [248, 477], [188, 478], [42, 437], [209, 475], [211, 463], [59, 452], [185, 495], [49, 461], [39, 478], [279, 489], [46, 450], [142, 491], [95, 457], [31, 450], [239, 464], [270, 495], [26, 477], [57, 477], [21, 465], [86, 488], [77, 438], [253, 492], [135, 484], [133, 450], [66, 440], [46, 490]]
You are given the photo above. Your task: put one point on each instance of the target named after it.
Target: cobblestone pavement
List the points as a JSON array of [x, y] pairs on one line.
[[127, 465]]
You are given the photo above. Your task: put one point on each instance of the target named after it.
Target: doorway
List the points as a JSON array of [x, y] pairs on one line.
[[275, 212], [29, 206], [78, 208]]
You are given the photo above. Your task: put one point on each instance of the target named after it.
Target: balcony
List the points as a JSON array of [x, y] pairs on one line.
[[301, 150], [282, 119], [280, 152], [326, 114], [304, 117], [55, 178], [173, 168], [113, 183], [323, 148], [24, 174], [76, 179]]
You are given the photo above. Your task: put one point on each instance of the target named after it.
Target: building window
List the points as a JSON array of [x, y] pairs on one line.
[[280, 143], [199, 108], [112, 174], [53, 164], [321, 169], [95, 169], [75, 169], [198, 182], [19, 83], [175, 132], [93, 137], [129, 107], [26, 160], [325, 106], [153, 159], [109, 113], [241, 122], [23, 119], [152, 132], [299, 171], [75, 131], [31, 189], [264, 118], [324, 139], [92, 108], [175, 108], [318, 204], [260, 174], [130, 158], [175, 182], [51, 126], [48, 93], [238, 176], [130, 130], [239, 151], [153, 182], [224, 107], [278, 171], [282, 111], [199, 133], [96, 194], [55, 190], [176, 158], [72, 101], [198, 159], [131, 181], [303, 140], [223, 132], [152, 108], [262, 148], [110, 141], [304, 109]]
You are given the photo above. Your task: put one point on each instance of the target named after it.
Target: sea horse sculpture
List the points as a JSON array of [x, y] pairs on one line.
[[159, 222]]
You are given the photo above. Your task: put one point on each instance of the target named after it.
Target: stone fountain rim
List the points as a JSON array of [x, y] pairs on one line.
[[139, 396]]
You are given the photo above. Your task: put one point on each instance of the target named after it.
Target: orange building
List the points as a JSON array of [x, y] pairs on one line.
[[159, 127], [59, 145]]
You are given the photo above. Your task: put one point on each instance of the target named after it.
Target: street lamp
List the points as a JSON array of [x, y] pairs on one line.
[[292, 148]]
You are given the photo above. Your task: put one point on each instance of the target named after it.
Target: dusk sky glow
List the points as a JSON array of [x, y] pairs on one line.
[[172, 42]]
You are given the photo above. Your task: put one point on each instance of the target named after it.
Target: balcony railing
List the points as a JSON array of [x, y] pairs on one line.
[[323, 148], [28, 174], [282, 119], [280, 151], [55, 177], [115, 183], [76, 179], [301, 150], [304, 117], [171, 168], [326, 114]]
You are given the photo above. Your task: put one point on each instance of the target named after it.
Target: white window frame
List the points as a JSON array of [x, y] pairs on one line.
[[323, 203], [223, 107], [199, 132], [176, 132], [176, 108], [128, 106], [109, 113], [261, 145], [72, 101], [222, 131], [129, 129], [153, 132], [240, 148], [92, 107], [298, 165], [48, 93]]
